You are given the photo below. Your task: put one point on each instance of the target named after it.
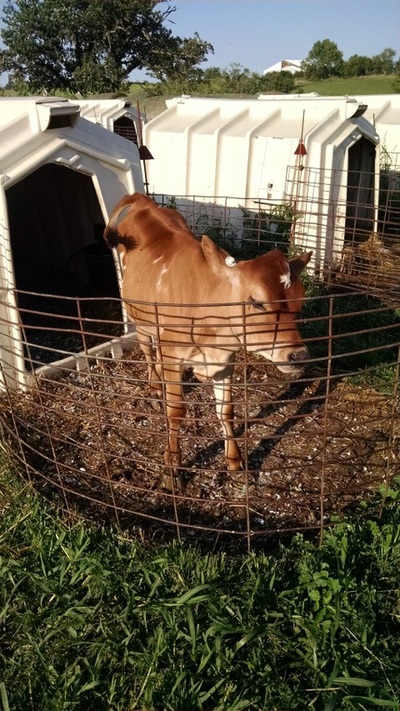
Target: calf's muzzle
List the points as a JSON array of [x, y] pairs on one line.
[[299, 355]]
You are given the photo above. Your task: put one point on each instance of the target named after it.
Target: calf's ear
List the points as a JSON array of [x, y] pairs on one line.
[[299, 263], [214, 255]]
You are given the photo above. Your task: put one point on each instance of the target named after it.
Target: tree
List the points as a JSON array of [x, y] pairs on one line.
[[324, 60], [93, 45], [240, 80], [396, 83], [234, 79], [383, 63], [282, 82], [358, 66], [180, 61]]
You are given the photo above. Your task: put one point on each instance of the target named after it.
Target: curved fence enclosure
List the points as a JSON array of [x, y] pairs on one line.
[[80, 421]]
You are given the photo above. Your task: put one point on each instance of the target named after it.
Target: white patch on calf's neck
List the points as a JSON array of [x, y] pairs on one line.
[[285, 278], [163, 271]]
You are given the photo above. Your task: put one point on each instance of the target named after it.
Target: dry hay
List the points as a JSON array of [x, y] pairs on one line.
[[371, 263], [310, 451]]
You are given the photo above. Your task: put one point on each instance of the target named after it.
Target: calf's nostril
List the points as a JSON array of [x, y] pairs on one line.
[[299, 355]]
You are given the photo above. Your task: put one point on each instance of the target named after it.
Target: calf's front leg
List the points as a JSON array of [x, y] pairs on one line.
[[224, 409], [175, 413]]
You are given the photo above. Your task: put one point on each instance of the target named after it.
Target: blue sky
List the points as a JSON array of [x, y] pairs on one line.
[[259, 33]]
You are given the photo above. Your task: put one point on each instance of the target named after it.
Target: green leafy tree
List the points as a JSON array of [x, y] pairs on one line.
[[94, 45], [358, 66], [383, 63], [239, 80], [180, 61], [324, 60], [396, 83], [234, 79], [281, 82], [213, 82]]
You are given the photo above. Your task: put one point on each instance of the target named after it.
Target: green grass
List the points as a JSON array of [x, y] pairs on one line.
[[93, 620], [350, 86], [364, 347]]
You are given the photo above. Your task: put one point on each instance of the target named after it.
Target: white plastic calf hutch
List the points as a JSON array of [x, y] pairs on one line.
[[383, 111], [60, 176], [315, 153], [117, 115]]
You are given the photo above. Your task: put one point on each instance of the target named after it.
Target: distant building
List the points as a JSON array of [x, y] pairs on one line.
[[285, 65]]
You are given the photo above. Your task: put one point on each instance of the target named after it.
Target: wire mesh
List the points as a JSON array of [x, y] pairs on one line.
[[86, 430]]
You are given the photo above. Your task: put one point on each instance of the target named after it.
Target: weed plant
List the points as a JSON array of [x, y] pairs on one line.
[[93, 620], [360, 333], [268, 228]]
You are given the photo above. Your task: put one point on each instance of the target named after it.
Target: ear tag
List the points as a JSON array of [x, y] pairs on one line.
[[230, 261], [285, 280]]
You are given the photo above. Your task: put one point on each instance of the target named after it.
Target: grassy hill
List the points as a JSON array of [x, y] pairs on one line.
[[350, 86]]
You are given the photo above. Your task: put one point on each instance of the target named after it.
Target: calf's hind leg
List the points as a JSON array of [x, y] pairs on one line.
[[153, 371]]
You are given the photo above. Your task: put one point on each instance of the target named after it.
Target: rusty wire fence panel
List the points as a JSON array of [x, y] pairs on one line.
[[89, 433], [311, 447]]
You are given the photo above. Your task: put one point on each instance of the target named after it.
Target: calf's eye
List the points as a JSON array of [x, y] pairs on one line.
[[257, 304]]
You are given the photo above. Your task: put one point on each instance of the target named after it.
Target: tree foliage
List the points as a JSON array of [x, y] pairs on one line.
[[383, 63], [234, 79], [94, 45], [396, 83], [282, 82], [324, 60], [358, 66]]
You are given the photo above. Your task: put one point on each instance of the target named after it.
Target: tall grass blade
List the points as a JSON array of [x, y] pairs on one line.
[[3, 697]]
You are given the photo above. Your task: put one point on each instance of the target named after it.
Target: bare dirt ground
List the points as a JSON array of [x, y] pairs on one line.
[[311, 448]]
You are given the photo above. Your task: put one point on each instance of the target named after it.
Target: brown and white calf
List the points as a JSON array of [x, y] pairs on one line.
[[194, 305]]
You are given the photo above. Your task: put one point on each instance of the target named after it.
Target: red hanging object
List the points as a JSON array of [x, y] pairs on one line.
[[300, 150], [144, 153]]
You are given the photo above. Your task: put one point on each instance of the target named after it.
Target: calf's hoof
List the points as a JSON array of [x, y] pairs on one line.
[[171, 481], [156, 404]]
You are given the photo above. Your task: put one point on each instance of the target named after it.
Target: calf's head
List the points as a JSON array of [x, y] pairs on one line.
[[272, 296]]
